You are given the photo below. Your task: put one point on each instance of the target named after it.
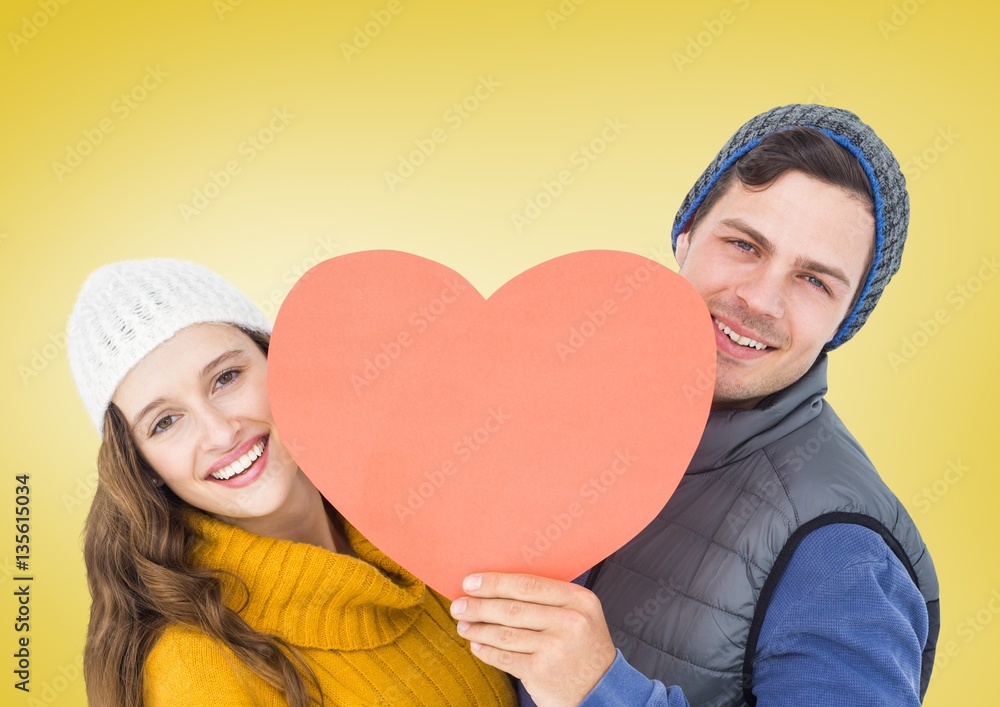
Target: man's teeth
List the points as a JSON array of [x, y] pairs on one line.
[[241, 464], [741, 340]]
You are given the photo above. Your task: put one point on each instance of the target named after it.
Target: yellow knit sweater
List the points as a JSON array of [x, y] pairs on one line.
[[373, 633]]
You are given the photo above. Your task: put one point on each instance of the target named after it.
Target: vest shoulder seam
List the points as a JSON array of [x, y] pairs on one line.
[[784, 487], [792, 523]]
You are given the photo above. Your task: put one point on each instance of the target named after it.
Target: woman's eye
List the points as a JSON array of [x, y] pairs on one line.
[[227, 377], [163, 424]]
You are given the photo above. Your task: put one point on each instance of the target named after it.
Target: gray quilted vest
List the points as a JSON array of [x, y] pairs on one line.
[[685, 599]]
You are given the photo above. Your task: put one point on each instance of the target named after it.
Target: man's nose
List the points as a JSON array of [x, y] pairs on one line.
[[763, 292]]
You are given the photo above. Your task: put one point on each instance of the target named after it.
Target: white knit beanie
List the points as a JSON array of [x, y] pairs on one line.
[[127, 309]]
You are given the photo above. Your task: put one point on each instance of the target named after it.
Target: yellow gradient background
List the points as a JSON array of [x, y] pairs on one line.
[[678, 78]]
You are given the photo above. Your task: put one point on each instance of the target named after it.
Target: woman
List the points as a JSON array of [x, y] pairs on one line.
[[218, 573]]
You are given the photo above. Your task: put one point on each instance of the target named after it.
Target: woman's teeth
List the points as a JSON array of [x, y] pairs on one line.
[[741, 340], [241, 464]]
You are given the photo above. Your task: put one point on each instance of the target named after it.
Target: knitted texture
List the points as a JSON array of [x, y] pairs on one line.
[[892, 203], [127, 309], [371, 631]]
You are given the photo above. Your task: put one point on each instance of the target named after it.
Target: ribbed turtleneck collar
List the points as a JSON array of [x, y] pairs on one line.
[[731, 435], [307, 595]]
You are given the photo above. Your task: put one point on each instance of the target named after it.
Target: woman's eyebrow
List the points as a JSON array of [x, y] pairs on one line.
[[222, 358], [145, 411]]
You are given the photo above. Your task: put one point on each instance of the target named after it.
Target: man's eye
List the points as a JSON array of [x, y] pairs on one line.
[[816, 282], [744, 246]]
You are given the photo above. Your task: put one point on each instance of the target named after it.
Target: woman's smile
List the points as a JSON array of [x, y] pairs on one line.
[[246, 465]]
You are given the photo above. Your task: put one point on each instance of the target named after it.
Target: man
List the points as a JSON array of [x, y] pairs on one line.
[[782, 571]]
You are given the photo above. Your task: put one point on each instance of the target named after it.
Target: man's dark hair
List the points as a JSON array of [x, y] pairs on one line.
[[803, 149]]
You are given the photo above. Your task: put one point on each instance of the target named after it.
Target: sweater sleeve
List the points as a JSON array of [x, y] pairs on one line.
[[187, 668], [845, 626], [624, 686]]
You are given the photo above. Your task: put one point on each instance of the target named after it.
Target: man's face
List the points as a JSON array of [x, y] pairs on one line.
[[778, 269]]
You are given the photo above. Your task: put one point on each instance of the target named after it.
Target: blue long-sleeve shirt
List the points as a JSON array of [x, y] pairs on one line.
[[845, 626]]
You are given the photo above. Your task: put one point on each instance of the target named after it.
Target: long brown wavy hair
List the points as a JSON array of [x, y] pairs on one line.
[[136, 549]]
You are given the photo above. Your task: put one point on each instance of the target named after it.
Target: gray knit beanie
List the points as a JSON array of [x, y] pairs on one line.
[[127, 309], [892, 203]]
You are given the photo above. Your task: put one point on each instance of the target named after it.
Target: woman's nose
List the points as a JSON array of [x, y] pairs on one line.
[[219, 427]]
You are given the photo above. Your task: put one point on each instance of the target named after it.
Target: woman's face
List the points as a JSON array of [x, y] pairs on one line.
[[197, 407]]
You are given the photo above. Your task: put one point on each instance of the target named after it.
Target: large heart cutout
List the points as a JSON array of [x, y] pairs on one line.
[[536, 431]]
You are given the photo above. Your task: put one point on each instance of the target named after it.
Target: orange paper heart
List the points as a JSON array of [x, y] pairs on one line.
[[536, 431]]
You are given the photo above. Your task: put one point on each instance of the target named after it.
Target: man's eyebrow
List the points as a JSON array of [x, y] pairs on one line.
[[217, 361], [744, 227], [835, 273], [802, 263]]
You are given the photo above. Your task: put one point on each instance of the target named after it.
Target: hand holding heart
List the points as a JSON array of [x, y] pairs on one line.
[[549, 634]]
